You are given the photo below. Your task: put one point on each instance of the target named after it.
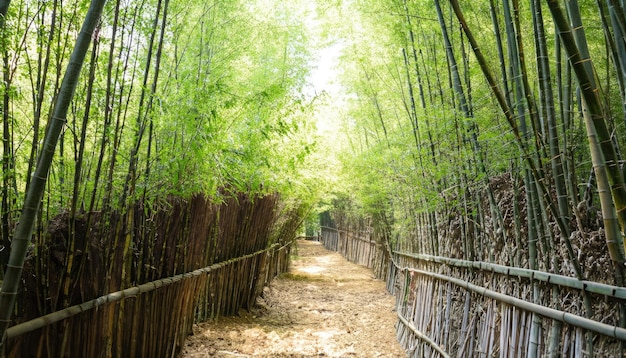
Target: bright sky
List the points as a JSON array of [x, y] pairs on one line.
[[324, 76], [324, 79]]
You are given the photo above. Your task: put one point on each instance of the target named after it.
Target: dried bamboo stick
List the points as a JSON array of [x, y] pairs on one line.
[[524, 318], [422, 336], [464, 324], [505, 333], [472, 337], [491, 328], [446, 333], [438, 322]]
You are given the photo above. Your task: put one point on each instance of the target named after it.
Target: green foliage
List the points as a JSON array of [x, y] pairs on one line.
[[406, 155], [231, 108], [226, 111]]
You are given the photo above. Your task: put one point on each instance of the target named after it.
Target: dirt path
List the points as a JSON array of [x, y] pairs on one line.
[[324, 307]]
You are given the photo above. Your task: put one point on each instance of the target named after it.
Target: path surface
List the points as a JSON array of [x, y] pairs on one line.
[[324, 306]]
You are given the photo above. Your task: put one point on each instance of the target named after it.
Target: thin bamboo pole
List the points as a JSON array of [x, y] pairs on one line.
[[24, 229], [422, 336]]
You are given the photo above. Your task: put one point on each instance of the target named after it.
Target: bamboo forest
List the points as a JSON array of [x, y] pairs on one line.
[[339, 178]]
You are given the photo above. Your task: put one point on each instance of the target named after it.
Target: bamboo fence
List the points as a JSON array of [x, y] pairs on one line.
[[219, 289], [185, 262], [448, 307], [359, 248]]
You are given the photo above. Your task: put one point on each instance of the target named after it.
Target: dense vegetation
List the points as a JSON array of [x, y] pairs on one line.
[[445, 99], [119, 113]]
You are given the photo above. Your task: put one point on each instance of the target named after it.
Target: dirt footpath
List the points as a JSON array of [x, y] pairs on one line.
[[324, 307]]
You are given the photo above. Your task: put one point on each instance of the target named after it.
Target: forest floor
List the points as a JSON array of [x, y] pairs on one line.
[[324, 306]]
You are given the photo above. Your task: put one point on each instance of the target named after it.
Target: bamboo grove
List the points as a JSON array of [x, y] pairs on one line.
[[142, 140], [173, 99], [491, 132]]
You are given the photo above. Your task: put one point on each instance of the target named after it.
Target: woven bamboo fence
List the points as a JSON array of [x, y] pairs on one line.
[[450, 307], [185, 262]]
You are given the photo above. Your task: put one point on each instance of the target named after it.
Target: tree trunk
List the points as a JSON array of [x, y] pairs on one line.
[[22, 235]]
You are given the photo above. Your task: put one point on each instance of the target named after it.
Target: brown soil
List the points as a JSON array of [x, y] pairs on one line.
[[324, 306]]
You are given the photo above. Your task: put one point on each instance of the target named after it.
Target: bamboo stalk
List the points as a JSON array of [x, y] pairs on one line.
[[505, 335], [438, 323], [422, 336], [472, 336], [492, 328], [464, 325], [446, 334]]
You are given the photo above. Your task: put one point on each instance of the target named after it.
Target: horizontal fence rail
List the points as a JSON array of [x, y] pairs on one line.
[[451, 307], [550, 278], [598, 327]]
